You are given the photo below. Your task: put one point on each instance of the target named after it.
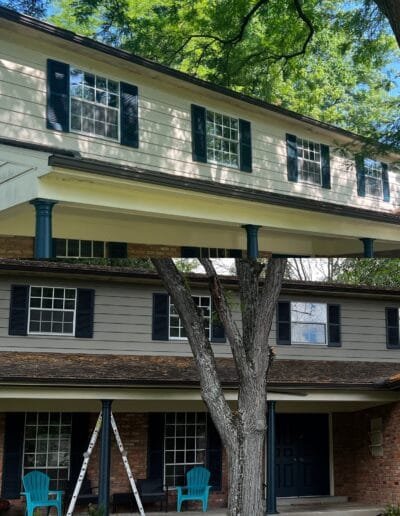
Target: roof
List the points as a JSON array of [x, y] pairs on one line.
[[64, 34], [58, 267], [124, 370]]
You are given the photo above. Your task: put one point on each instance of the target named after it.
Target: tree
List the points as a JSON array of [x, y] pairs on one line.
[[242, 431], [381, 272], [314, 269], [35, 8], [324, 59]]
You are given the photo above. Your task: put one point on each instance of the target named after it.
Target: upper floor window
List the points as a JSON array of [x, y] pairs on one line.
[[210, 252], [71, 248], [222, 139], [91, 104], [52, 310], [176, 328], [392, 328], [372, 178], [308, 161], [308, 323], [94, 104], [309, 158], [312, 323], [47, 446]]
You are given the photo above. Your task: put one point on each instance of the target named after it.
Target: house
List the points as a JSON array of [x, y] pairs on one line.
[[114, 155], [72, 336]]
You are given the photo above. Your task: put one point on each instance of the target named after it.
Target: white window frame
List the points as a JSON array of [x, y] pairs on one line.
[[71, 97], [222, 138], [300, 143], [52, 310], [26, 469], [370, 165], [294, 323], [80, 248], [180, 322], [189, 465]]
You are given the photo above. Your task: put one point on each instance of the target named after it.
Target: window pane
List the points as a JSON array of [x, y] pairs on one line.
[[308, 333], [47, 315], [309, 312]]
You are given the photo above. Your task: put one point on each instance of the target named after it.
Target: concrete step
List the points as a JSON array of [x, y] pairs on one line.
[[346, 509], [312, 500]]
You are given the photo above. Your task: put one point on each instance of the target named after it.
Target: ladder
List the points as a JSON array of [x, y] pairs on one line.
[[86, 457]]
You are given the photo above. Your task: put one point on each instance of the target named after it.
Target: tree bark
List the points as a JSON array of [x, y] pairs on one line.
[[243, 431], [391, 9]]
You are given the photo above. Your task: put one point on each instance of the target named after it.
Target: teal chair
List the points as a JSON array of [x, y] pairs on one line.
[[36, 485], [196, 488]]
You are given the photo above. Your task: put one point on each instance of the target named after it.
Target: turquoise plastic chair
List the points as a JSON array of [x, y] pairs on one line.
[[36, 485], [196, 488]]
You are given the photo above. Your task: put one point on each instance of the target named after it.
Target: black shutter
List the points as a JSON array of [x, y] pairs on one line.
[[190, 252], [292, 165], [19, 306], [160, 317], [199, 138], [84, 313], [217, 328], [334, 333], [235, 253], [155, 446], [117, 250], [245, 146], [129, 115], [385, 182], [214, 455], [392, 328], [79, 443], [360, 175], [325, 167], [57, 96], [283, 320], [12, 461]]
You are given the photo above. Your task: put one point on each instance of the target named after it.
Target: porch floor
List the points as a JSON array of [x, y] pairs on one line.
[[340, 509]]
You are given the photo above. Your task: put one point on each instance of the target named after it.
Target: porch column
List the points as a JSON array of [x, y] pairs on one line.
[[105, 457], [252, 240], [43, 228], [368, 244], [271, 486]]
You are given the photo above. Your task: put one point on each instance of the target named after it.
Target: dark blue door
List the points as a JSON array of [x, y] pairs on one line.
[[302, 454]]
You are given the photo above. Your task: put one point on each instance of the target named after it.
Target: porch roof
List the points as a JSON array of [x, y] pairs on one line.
[[124, 370]]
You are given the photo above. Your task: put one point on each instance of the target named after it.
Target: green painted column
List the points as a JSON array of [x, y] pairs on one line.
[[105, 458], [43, 228], [271, 444], [252, 240], [368, 244]]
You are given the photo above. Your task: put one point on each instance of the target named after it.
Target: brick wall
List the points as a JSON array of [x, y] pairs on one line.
[[16, 247], [359, 475]]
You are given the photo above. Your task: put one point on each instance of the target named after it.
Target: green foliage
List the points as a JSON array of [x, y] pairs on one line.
[[344, 77], [383, 272], [392, 510], [36, 8]]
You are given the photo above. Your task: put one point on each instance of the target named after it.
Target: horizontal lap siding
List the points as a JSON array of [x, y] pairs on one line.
[[165, 129], [123, 323]]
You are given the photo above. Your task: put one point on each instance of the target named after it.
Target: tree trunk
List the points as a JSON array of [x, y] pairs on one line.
[[391, 9]]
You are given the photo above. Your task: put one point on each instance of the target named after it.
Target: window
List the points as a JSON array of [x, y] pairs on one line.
[[309, 323], [210, 252], [94, 104], [176, 329], [47, 446], [52, 310], [373, 178], [70, 248], [185, 445], [222, 139], [309, 158]]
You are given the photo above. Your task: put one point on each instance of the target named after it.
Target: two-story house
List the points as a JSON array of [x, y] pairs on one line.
[[114, 155], [72, 336]]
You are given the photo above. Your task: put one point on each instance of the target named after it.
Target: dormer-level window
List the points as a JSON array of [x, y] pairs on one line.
[[222, 139], [52, 310], [95, 104], [309, 321], [307, 161], [176, 328], [372, 178]]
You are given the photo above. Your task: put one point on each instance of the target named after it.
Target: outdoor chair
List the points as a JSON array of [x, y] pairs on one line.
[[37, 493], [196, 488]]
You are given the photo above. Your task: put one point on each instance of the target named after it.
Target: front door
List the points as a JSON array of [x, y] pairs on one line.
[[302, 454]]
